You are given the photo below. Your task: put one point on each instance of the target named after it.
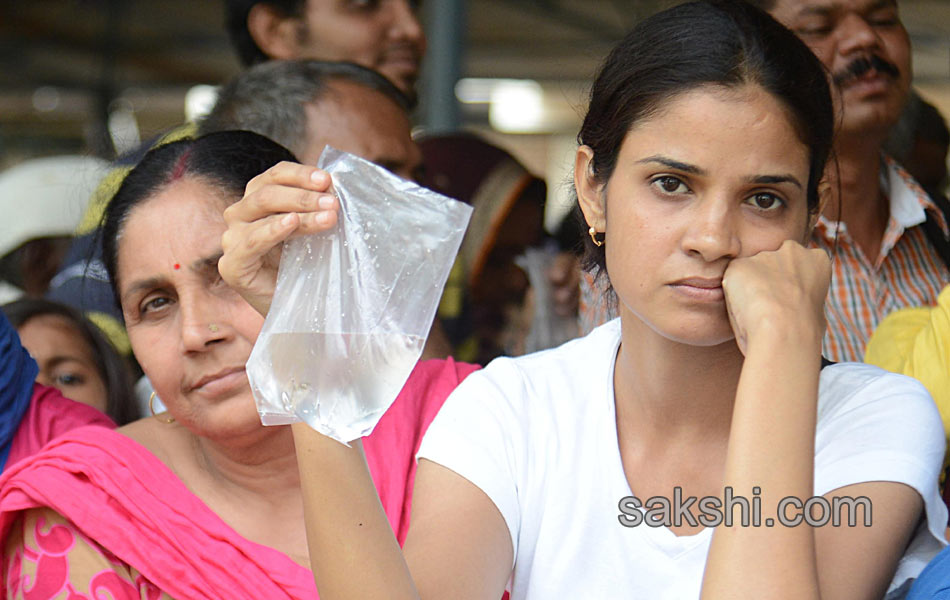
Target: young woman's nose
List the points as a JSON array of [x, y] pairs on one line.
[[712, 231]]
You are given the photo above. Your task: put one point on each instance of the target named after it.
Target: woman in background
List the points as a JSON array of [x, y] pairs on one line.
[[74, 357], [32, 414]]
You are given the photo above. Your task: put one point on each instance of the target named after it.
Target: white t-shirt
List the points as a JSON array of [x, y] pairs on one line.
[[538, 435]]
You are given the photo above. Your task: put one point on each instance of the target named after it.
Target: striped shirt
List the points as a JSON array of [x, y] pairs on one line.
[[907, 272]]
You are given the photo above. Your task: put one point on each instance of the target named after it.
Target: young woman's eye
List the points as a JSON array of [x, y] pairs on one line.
[[69, 379], [766, 202], [670, 185]]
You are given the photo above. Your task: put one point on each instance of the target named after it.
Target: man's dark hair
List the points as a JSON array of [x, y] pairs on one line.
[[269, 98], [236, 22]]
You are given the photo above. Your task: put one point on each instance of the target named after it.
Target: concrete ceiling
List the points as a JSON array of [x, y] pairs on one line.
[[62, 62]]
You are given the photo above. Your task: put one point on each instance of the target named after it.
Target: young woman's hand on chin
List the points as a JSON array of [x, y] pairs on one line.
[[287, 200], [778, 296]]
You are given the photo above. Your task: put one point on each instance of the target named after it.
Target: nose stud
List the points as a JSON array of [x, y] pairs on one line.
[[212, 328]]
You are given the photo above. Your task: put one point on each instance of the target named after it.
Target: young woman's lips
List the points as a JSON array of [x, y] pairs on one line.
[[700, 289], [220, 383]]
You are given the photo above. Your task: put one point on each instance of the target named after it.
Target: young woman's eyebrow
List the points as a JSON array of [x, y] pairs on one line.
[[55, 361], [673, 164], [774, 179]]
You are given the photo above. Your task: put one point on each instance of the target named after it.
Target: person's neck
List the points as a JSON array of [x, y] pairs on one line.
[[261, 465], [677, 391], [856, 196]]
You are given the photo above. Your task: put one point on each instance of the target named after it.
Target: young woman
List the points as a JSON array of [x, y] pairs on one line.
[[698, 175], [74, 356], [32, 414]]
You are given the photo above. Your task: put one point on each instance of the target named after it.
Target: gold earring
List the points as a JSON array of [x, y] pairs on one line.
[[212, 328], [151, 408], [593, 236]]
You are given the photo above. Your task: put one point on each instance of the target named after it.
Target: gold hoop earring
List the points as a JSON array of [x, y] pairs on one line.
[[593, 236], [151, 409]]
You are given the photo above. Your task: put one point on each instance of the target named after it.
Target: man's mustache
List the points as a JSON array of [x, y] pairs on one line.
[[860, 66]]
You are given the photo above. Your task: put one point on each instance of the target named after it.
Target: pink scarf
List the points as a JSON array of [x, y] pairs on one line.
[[121, 496]]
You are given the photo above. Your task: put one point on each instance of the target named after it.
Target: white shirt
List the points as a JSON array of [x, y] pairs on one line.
[[538, 435]]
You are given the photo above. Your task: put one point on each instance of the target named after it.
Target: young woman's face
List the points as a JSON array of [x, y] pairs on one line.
[[191, 333], [65, 360], [716, 175]]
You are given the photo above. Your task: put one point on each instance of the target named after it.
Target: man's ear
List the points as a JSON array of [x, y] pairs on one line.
[[275, 33], [590, 194]]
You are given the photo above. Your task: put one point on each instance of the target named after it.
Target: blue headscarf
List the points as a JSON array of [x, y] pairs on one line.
[[18, 371]]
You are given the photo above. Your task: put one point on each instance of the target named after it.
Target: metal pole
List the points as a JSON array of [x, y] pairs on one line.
[[445, 30]]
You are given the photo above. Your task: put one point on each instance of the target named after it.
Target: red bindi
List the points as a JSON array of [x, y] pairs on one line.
[[177, 266]]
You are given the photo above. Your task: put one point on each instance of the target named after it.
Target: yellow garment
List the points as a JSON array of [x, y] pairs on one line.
[[916, 342], [92, 219], [111, 182]]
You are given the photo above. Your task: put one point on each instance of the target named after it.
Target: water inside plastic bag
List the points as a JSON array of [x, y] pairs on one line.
[[353, 305]]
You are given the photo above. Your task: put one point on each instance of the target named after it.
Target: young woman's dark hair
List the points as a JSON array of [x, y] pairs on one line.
[[113, 370], [741, 45], [228, 160]]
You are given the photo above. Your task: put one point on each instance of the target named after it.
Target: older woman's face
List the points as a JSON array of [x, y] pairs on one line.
[[190, 332]]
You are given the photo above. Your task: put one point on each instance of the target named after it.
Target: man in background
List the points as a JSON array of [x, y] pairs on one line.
[[883, 230], [383, 35]]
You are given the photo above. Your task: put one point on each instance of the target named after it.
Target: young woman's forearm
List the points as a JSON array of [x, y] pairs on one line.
[[353, 552], [770, 456]]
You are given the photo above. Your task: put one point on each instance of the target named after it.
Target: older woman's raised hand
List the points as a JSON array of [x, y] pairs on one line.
[[287, 200]]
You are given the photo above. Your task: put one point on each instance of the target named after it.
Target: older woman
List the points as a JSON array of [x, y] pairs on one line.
[[201, 501]]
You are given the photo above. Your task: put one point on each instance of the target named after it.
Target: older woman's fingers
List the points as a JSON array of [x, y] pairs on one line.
[[293, 175], [273, 199], [245, 244]]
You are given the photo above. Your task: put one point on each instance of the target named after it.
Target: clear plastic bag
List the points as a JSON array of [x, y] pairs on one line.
[[548, 329], [353, 305]]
